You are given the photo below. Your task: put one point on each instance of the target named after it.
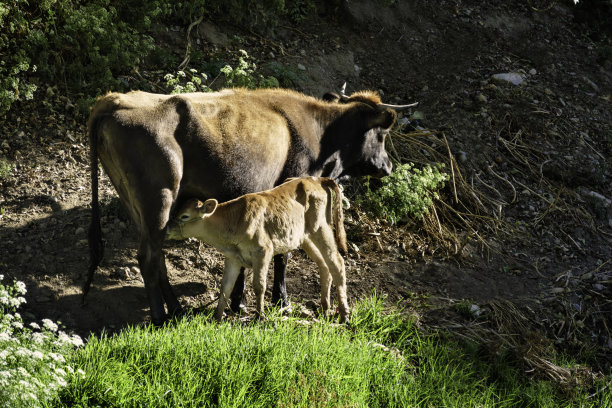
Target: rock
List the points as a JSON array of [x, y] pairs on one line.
[[79, 231], [135, 270], [513, 78], [301, 67], [591, 84], [481, 98], [123, 273], [532, 71]]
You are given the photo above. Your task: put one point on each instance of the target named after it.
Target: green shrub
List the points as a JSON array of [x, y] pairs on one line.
[[244, 75], [408, 191], [190, 81], [6, 169]]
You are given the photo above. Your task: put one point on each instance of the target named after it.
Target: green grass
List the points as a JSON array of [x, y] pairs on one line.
[[379, 360]]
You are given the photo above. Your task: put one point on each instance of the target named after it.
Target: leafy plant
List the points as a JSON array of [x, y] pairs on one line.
[[190, 81], [408, 191], [244, 75], [6, 169]]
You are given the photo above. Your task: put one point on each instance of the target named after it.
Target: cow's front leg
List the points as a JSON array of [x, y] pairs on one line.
[[149, 258], [279, 288], [237, 296]]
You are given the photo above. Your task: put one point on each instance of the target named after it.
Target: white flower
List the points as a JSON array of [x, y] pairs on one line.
[[38, 355], [20, 287], [5, 336], [63, 338], [60, 372], [81, 373], [35, 326], [38, 338], [49, 325], [57, 357], [76, 340], [18, 325]]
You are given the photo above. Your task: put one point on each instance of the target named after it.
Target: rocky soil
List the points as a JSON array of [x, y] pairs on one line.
[[517, 99]]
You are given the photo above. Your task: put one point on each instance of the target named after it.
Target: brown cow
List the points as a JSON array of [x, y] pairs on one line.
[[160, 150], [249, 230]]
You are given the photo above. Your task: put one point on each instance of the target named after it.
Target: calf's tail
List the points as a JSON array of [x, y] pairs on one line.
[[96, 245], [335, 205]]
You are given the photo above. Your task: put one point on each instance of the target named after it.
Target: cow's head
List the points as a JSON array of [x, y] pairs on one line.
[[361, 132], [185, 223]]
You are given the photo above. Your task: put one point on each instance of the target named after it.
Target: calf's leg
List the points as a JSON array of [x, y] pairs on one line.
[[260, 277], [326, 244], [230, 273], [313, 253]]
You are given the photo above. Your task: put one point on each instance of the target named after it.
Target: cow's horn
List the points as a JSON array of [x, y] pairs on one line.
[[397, 107], [343, 91]]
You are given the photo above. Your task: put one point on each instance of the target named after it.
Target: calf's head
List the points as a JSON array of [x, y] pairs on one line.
[[190, 219]]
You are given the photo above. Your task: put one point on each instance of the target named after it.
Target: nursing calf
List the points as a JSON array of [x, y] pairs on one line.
[[249, 230]]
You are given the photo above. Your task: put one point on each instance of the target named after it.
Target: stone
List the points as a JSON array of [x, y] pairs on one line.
[[301, 67], [513, 78]]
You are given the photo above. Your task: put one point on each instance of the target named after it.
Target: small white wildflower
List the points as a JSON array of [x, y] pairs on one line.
[[35, 326], [32, 396], [18, 325], [57, 357], [70, 370], [24, 384], [63, 338], [1, 277], [5, 374], [20, 287], [5, 336], [49, 325], [60, 372], [62, 382], [38, 355], [76, 340], [38, 338], [23, 372], [81, 373], [181, 73]]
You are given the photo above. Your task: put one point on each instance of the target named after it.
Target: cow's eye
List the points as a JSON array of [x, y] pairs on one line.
[[184, 217]]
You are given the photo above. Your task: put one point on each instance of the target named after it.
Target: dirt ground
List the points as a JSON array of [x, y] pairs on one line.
[[538, 156]]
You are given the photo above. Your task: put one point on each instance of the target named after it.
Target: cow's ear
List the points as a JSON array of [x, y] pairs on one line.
[[383, 118], [209, 206], [331, 97]]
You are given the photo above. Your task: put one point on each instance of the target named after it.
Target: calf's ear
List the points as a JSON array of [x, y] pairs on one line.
[[208, 207], [384, 118]]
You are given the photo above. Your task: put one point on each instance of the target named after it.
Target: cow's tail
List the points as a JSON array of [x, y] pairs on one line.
[[335, 206], [96, 245]]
